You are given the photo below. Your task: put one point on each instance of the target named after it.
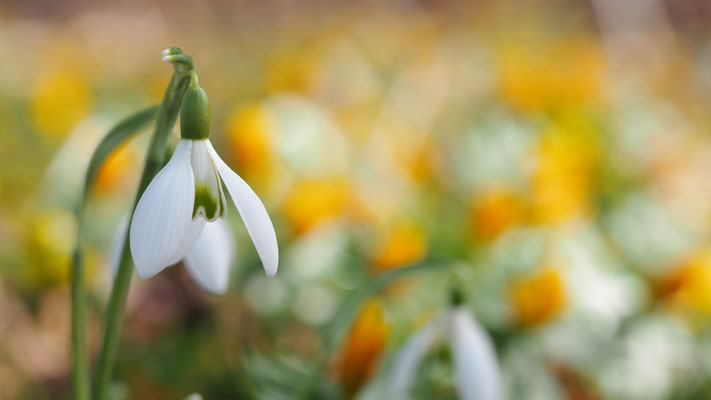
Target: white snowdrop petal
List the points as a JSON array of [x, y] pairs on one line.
[[210, 258], [476, 368], [253, 213], [192, 233], [114, 254], [409, 358], [161, 225]]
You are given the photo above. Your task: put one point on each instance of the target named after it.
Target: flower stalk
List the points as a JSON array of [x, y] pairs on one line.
[[80, 361], [167, 117]]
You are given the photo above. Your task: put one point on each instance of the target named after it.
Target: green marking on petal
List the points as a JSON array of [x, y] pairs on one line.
[[206, 203], [209, 196], [223, 203]]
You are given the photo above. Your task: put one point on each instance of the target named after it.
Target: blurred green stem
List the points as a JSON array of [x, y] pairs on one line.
[[167, 116], [343, 318], [80, 360]]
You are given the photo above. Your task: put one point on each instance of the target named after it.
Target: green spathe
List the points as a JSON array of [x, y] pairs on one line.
[[195, 114]]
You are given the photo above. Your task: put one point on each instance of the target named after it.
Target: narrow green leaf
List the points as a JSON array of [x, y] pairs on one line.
[[113, 139]]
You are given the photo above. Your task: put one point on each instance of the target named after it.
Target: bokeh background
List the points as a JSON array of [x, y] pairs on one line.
[[554, 155]]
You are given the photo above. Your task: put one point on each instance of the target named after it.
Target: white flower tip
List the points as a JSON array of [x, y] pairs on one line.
[[271, 266], [267, 247], [213, 290], [144, 267], [218, 292], [144, 272], [271, 272]]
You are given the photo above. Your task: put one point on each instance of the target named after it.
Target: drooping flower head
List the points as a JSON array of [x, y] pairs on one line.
[[178, 216], [476, 368]]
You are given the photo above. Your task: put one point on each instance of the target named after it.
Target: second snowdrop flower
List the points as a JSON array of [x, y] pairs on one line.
[[476, 369], [186, 195]]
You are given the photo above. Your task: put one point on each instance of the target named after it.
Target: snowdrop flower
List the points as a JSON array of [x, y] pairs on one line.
[[179, 215], [476, 369], [208, 261]]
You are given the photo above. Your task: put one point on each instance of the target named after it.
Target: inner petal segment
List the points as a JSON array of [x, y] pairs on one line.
[[209, 196]]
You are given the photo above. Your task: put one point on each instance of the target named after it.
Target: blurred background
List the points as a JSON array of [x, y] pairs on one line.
[[556, 155]]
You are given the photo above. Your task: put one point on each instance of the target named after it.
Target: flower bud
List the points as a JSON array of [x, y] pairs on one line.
[[195, 114]]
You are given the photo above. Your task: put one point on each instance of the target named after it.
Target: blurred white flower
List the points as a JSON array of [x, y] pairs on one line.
[[653, 358], [476, 368]]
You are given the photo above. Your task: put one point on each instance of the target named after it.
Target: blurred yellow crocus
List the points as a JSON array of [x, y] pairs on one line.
[[50, 243], [422, 168], [535, 75], [562, 180], [61, 98], [113, 171], [404, 244], [364, 345], [538, 298], [248, 131], [688, 288], [494, 211], [311, 202], [292, 72]]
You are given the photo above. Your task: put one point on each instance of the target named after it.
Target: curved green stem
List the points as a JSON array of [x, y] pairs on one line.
[[344, 316], [167, 116]]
